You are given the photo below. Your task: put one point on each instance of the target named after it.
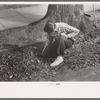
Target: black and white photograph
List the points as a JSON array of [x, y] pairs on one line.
[[49, 42]]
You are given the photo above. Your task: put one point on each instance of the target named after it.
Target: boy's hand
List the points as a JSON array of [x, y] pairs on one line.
[[63, 34]]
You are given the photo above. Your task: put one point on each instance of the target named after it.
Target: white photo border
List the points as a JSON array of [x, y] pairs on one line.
[[49, 89]]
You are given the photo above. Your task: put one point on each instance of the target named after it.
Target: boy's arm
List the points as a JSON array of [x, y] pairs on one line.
[[72, 32], [70, 35]]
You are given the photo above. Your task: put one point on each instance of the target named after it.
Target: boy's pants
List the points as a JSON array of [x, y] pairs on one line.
[[57, 47]]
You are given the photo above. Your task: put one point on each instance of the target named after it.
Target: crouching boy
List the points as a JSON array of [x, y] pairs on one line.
[[61, 37]]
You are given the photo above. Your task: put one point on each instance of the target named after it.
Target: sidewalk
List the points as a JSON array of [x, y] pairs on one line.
[[10, 18]]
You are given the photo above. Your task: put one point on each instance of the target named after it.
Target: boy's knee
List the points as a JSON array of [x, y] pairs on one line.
[[63, 38], [60, 38]]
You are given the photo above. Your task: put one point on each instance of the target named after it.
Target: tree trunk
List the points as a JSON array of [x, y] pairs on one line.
[[71, 14]]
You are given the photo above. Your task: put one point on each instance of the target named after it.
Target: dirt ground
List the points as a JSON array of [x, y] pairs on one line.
[[21, 63]]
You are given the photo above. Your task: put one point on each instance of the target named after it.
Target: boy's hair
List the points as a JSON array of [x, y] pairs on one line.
[[49, 27]]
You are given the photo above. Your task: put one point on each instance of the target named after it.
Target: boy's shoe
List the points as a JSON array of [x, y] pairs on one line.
[[58, 61]]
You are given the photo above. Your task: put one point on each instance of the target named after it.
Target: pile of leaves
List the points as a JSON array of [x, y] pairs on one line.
[[23, 64]]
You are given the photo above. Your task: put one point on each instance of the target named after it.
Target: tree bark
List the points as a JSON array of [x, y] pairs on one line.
[[71, 14]]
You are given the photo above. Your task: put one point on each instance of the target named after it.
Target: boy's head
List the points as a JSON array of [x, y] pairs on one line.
[[49, 27]]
